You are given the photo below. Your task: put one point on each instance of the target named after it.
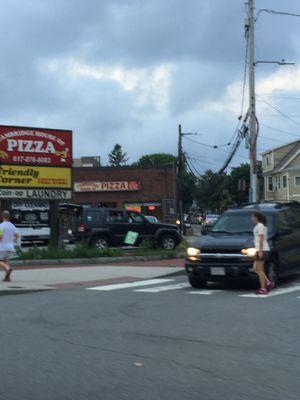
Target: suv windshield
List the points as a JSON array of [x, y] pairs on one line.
[[233, 222]]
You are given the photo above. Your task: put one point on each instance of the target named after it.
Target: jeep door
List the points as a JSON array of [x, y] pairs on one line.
[[139, 224], [118, 225]]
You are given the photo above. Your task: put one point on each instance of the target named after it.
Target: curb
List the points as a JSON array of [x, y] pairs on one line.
[[25, 291], [171, 274], [89, 261]]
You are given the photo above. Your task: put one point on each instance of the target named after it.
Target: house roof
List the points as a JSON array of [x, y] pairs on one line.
[[279, 147], [284, 162]]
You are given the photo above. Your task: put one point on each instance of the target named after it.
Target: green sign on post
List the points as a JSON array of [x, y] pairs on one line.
[[131, 237]]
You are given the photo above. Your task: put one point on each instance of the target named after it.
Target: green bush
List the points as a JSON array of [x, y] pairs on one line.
[[146, 245], [79, 251]]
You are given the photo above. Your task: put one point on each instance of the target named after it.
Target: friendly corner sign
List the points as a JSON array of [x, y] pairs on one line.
[[29, 176], [35, 162]]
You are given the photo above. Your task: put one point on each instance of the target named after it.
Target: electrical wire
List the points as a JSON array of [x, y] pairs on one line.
[[280, 112], [204, 162], [280, 130], [190, 164]]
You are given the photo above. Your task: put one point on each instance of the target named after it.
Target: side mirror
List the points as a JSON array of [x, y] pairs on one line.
[[285, 231]]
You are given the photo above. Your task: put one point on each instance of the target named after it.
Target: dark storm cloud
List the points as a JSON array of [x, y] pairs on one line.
[[202, 41]]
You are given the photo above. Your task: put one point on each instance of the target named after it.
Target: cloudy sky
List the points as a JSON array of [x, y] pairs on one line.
[[129, 71]]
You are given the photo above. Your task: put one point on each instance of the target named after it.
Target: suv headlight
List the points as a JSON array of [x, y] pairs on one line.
[[193, 252], [251, 251]]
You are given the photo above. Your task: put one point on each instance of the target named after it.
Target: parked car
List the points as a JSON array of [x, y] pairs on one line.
[[105, 227], [31, 220], [226, 250], [198, 219], [210, 219]]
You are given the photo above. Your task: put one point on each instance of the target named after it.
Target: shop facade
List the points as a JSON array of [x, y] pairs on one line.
[[151, 191]]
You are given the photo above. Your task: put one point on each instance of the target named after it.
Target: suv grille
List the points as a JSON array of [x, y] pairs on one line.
[[221, 251]]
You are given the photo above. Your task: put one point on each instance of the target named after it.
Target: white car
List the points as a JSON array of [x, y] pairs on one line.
[[210, 219]]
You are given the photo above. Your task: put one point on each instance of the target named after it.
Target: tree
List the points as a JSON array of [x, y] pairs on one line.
[[212, 192], [156, 160], [238, 183], [117, 157], [167, 159]]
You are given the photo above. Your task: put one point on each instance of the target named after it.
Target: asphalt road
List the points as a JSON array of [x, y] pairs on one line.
[[165, 343]]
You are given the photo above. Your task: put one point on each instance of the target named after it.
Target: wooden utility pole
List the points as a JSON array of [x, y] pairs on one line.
[[179, 180], [252, 114]]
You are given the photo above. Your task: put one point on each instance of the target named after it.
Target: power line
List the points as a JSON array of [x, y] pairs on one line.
[[215, 147], [243, 93], [189, 163], [280, 112], [280, 130], [271, 139], [204, 162]]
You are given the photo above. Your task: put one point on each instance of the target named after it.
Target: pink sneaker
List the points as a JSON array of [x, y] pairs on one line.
[[270, 286], [261, 291]]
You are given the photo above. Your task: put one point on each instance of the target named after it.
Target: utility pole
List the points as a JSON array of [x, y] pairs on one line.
[[252, 114], [179, 180]]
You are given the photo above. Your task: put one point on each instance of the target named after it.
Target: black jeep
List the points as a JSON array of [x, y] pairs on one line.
[[226, 250], [105, 227]]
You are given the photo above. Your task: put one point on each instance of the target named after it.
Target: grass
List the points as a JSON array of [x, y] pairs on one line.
[[82, 250], [79, 251]]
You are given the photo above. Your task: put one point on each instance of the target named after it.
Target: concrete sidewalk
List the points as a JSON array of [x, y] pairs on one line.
[[32, 278]]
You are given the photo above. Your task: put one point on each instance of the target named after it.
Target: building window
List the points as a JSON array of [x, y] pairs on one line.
[[297, 180], [267, 161], [270, 184], [284, 181]]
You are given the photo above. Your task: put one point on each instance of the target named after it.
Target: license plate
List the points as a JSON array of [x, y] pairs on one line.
[[217, 271]]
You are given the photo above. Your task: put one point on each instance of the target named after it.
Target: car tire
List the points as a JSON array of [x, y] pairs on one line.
[[196, 282], [167, 242], [273, 271], [100, 242]]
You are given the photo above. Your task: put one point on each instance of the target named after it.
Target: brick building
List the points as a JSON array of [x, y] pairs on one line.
[[151, 191]]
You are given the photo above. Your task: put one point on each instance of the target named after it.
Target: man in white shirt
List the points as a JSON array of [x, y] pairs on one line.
[[8, 238]]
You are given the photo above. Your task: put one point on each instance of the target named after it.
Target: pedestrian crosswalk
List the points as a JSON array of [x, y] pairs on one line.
[[158, 285]]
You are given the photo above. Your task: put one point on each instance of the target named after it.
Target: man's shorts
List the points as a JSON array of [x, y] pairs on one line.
[[6, 255], [265, 256]]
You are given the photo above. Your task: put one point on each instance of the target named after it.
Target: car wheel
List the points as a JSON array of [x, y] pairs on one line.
[[100, 242], [197, 282], [273, 271], [168, 242]]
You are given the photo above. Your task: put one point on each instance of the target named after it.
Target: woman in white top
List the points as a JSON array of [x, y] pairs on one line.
[[262, 247]]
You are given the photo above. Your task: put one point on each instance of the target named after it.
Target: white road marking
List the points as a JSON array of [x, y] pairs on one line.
[[130, 284], [164, 288], [206, 292], [275, 292]]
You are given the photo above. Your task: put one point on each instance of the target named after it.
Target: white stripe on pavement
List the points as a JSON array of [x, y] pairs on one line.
[[130, 284], [206, 292], [275, 292], [164, 288]]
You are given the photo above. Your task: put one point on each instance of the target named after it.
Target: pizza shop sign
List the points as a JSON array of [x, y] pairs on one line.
[[35, 146], [114, 186]]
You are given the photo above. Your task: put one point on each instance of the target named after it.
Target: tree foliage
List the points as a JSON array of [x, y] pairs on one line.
[[211, 191], [156, 160], [117, 157], [216, 191]]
